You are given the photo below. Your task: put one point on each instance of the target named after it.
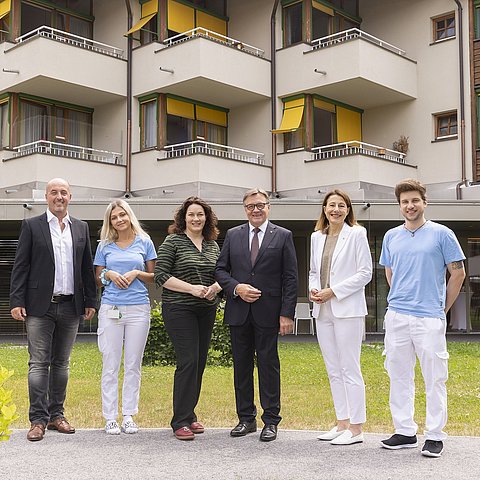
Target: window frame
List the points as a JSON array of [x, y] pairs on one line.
[[142, 103], [438, 117], [54, 11], [435, 27], [50, 126]]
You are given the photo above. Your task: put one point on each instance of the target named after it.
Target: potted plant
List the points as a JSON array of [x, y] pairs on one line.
[[401, 145]]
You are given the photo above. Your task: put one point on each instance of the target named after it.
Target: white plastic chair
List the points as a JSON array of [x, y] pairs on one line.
[[302, 312]]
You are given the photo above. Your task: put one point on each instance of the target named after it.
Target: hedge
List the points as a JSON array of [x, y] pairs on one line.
[[159, 349]]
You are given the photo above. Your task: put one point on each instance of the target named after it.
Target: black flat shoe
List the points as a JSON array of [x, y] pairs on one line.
[[243, 428], [269, 433]]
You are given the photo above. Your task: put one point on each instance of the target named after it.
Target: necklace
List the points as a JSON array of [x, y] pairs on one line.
[[413, 232]]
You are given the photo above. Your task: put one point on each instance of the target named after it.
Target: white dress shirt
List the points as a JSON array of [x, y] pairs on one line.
[[261, 233], [63, 254]]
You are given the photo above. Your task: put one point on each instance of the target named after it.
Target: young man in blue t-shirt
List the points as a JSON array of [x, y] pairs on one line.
[[416, 256]]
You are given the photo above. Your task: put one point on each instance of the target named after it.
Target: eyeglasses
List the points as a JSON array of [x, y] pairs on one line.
[[251, 206]]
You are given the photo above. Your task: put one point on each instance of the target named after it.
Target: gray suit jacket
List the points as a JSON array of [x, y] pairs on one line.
[[33, 274]]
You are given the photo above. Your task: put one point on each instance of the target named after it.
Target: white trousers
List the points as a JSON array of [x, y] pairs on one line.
[[406, 337], [129, 334], [340, 341]]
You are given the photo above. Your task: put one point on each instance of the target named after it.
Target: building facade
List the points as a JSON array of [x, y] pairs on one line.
[[158, 100]]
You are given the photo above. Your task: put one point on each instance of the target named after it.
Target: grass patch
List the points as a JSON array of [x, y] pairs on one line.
[[306, 398]]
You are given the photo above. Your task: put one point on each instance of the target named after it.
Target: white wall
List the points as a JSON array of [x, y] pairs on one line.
[[109, 127], [408, 25], [249, 21], [249, 128]]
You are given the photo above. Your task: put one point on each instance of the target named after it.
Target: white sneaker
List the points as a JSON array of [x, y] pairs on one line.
[[112, 428], [330, 435], [129, 427]]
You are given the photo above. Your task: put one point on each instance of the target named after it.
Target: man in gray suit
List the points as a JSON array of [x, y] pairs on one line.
[[257, 269], [52, 286]]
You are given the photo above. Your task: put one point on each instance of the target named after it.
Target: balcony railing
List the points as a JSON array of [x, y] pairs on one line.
[[215, 150], [70, 151], [356, 148], [71, 39], [352, 34], [216, 37]]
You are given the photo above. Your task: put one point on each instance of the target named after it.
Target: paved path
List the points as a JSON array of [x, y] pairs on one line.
[[155, 454]]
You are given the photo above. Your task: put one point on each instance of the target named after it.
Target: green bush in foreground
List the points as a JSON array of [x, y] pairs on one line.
[[7, 408], [159, 349]]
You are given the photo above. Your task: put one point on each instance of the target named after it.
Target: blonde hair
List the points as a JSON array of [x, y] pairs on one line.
[[108, 234]]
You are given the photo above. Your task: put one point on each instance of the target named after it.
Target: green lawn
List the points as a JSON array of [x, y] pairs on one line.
[[306, 399]]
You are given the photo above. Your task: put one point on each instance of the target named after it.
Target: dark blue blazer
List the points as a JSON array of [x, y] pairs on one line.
[[33, 274], [274, 273]]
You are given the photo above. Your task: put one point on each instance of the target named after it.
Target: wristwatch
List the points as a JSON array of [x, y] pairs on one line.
[[103, 279]]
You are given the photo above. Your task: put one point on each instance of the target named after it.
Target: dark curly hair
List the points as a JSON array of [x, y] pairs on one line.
[[179, 225]]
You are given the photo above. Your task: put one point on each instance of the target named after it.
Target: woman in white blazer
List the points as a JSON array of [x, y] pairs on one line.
[[340, 267]]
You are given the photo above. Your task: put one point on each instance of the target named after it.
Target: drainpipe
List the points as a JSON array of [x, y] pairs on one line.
[[462, 102], [128, 153], [273, 93]]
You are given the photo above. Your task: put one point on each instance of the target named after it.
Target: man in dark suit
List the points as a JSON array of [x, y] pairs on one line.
[[257, 269], [52, 286]]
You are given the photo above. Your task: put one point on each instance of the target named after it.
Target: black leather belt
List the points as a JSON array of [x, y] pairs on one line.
[[61, 298]]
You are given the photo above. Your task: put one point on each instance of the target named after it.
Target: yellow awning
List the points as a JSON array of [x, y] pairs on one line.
[[149, 7], [329, 107], [180, 109], [323, 8], [5, 6], [292, 118], [142, 22], [349, 125], [181, 18], [210, 115], [209, 22]]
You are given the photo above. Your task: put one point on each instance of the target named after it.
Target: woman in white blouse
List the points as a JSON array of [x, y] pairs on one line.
[[340, 267]]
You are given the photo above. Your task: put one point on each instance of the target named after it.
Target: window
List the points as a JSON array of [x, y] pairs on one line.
[[323, 127], [446, 125], [186, 121], [321, 24], [34, 16], [4, 27], [313, 121], [45, 121], [4, 130], [325, 18], [215, 6], [444, 27], [149, 33], [476, 18], [149, 125], [292, 24], [296, 139]]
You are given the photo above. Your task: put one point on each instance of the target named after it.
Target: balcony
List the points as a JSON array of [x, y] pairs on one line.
[[198, 162], [35, 162], [352, 67], [204, 65], [341, 164], [50, 63]]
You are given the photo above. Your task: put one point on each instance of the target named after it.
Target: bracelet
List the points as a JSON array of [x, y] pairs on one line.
[[103, 279]]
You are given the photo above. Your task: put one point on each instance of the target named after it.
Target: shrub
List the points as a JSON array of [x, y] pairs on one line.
[[159, 349], [7, 408]]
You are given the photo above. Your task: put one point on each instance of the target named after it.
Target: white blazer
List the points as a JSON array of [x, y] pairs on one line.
[[350, 271]]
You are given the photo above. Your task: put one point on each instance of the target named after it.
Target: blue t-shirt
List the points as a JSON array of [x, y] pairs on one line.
[[123, 260], [418, 265]]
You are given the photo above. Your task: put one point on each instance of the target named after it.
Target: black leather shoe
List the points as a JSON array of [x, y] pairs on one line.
[[269, 433], [243, 428]]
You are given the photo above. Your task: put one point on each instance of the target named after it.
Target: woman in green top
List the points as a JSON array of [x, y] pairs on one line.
[[185, 268]]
